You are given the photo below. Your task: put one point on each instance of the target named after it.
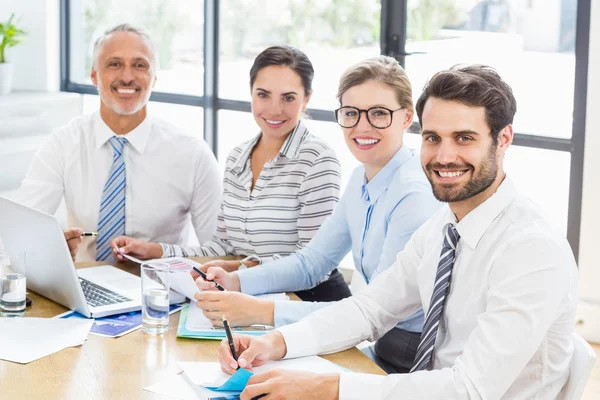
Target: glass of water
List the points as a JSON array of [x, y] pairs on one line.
[[13, 289], [155, 297]]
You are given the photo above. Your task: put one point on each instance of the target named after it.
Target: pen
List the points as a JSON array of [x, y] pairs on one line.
[[89, 234], [230, 339], [203, 275]]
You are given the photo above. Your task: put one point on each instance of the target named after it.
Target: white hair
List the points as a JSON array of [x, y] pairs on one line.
[[141, 32]]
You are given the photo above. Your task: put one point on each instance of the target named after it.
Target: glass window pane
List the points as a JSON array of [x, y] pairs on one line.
[[530, 42], [333, 33], [176, 27], [189, 118]]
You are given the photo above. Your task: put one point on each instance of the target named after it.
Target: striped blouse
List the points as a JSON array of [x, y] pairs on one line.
[[294, 194]]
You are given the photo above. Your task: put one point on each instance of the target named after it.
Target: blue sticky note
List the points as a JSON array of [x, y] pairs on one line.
[[236, 383]]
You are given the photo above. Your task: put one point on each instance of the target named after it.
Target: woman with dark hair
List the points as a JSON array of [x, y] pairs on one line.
[[279, 187]]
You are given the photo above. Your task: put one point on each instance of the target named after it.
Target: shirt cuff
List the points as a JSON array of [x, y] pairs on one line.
[[167, 250], [354, 386], [300, 341]]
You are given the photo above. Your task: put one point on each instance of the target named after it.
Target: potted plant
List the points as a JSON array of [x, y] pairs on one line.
[[10, 36]]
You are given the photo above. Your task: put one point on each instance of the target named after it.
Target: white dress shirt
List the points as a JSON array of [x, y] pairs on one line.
[[508, 318], [172, 179]]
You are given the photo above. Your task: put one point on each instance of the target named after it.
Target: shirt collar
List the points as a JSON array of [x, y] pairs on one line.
[[472, 227], [375, 187], [137, 138], [289, 149]]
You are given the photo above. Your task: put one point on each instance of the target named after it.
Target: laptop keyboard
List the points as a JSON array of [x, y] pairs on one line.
[[97, 296]]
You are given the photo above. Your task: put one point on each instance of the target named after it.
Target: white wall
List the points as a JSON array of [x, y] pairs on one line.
[[37, 59], [589, 259]]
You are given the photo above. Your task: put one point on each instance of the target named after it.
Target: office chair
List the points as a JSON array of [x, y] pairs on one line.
[[582, 364]]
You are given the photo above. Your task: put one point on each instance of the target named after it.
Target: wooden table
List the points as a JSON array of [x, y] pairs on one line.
[[119, 368]]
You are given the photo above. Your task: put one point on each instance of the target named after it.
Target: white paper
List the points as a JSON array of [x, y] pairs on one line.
[[197, 321], [210, 373], [176, 387], [183, 283], [127, 256], [28, 339]]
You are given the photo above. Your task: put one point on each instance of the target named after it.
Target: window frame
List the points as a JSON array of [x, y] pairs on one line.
[[393, 43]]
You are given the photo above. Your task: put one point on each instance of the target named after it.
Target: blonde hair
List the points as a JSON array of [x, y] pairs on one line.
[[382, 69]]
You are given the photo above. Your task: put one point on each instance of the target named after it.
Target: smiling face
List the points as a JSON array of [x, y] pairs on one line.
[[278, 100], [458, 154], [372, 146], [124, 73]]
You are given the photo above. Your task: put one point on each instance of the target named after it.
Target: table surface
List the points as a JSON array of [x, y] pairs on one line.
[[119, 368]]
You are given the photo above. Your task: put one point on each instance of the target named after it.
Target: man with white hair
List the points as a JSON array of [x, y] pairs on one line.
[[121, 171]]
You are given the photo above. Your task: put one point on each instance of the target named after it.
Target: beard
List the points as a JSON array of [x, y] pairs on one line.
[[482, 178], [113, 104]]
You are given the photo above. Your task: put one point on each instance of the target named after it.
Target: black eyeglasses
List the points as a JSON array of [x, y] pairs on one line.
[[378, 117]]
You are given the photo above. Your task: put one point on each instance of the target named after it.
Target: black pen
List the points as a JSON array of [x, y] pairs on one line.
[[203, 275], [89, 234], [230, 339]]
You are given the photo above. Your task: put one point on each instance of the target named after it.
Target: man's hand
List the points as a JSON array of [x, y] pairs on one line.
[[293, 385], [239, 309], [73, 238], [253, 351], [136, 248], [229, 280]]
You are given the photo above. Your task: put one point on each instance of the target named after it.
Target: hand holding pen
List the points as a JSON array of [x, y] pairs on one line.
[[203, 275], [213, 276]]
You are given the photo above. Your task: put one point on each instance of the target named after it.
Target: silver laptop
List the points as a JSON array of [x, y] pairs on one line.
[[36, 239]]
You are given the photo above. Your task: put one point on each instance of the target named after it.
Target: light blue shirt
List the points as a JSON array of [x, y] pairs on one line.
[[373, 219]]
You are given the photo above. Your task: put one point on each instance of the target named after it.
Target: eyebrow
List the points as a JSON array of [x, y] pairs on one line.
[[463, 132], [269, 92], [135, 59]]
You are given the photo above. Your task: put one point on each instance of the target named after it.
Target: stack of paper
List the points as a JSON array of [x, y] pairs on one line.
[[206, 380], [27, 339]]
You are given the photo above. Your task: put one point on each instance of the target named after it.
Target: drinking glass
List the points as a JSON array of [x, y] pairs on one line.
[[155, 297]]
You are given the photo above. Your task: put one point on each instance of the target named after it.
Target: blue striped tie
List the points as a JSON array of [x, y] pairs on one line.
[[111, 222], [424, 357]]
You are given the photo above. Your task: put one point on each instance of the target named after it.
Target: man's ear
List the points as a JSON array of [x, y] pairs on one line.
[[505, 138], [94, 76]]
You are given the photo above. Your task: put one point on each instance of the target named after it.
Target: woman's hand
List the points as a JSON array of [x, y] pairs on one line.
[[227, 265], [239, 309], [229, 280], [136, 248]]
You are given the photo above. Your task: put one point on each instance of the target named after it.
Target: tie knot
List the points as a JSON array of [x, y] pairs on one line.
[[451, 236], [118, 143]]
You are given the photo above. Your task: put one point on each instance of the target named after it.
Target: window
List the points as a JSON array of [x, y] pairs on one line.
[[333, 34], [536, 45], [176, 27], [530, 43]]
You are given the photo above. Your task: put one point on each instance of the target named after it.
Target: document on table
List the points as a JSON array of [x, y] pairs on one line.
[[28, 339], [209, 375]]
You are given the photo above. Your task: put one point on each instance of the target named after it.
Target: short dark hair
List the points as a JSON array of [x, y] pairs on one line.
[[285, 56], [475, 86]]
